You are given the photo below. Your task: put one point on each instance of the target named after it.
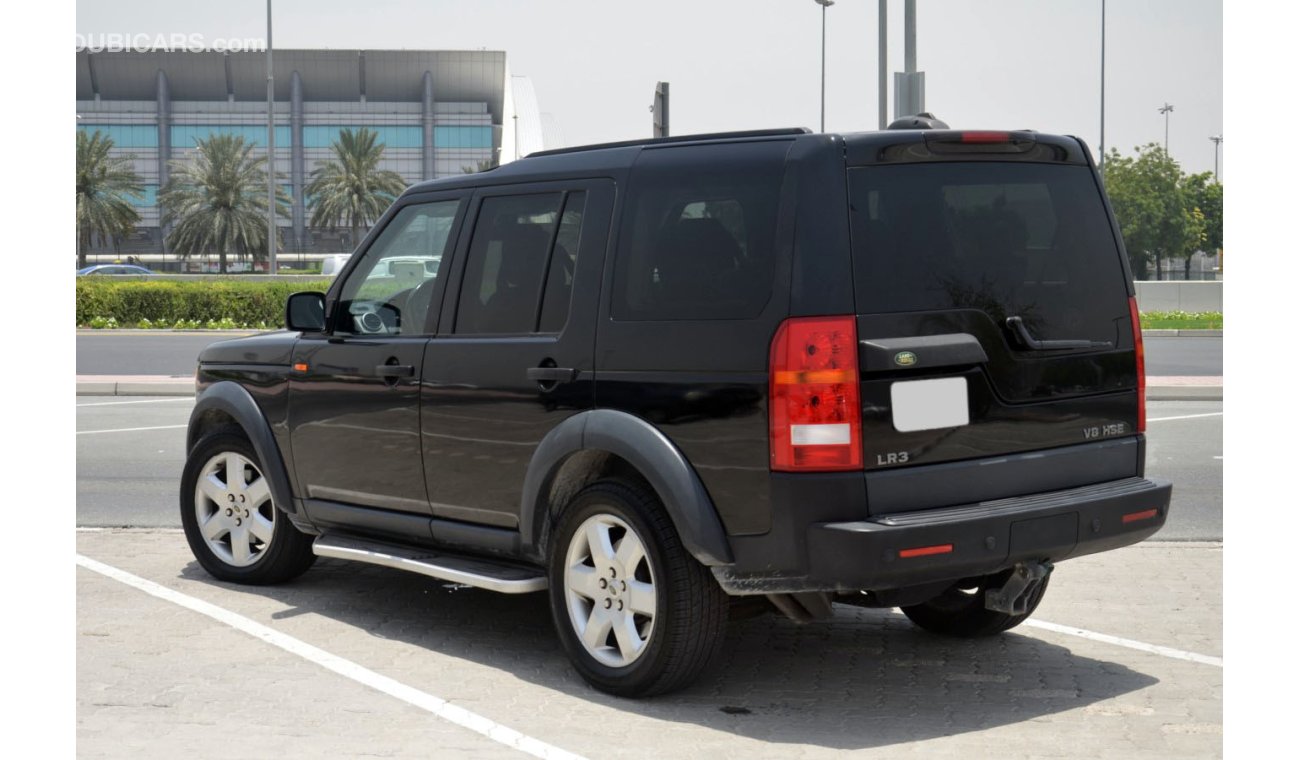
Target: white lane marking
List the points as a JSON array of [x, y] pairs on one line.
[[1219, 457], [1185, 417], [145, 401], [346, 668], [1141, 646], [130, 430]]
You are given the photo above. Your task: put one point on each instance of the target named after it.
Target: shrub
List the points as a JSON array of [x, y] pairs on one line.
[[211, 304]]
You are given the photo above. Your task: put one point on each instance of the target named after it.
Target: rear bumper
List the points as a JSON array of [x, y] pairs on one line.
[[872, 554]]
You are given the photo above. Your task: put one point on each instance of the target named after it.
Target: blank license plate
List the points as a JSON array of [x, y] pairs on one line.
[[929, 404]]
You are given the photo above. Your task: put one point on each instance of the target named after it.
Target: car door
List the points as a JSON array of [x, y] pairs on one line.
[[513, 356], [354, 395]]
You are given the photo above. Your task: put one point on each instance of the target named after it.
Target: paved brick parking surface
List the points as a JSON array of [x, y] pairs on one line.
[[158, 680]]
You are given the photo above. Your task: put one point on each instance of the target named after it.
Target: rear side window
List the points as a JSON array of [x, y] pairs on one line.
[[519, 272], [1027, 240], [697, 239]]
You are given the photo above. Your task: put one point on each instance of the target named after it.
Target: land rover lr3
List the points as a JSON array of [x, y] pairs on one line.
[[656, 379]]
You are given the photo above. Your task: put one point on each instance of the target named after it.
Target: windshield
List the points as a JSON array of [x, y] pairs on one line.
[[1010, 239]]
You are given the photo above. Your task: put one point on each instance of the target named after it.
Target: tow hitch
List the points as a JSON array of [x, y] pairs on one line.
[[1013, 597]]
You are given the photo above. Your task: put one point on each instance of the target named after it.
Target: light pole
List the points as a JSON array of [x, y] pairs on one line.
[[1166, 109], [270, 149], [824, 4], [1101, 163], [1217, 139]]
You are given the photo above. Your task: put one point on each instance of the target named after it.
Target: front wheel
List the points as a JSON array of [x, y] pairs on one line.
[[635, 612], [230, 521], [960, 611]]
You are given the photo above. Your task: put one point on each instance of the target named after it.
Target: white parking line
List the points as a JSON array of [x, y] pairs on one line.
[[1141, 646], [346, 668], [1185, 417], [130, 430], [145, 401]]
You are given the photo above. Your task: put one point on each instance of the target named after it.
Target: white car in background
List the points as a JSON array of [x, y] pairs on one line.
[[333, 264]]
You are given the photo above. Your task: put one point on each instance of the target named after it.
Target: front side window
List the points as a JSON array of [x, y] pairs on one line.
[[390, 290]]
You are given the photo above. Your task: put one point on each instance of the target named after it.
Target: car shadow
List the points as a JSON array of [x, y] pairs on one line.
[[863, 679]]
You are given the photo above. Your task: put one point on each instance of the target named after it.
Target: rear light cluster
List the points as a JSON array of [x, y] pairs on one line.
[[815, 416], [1141, 364]]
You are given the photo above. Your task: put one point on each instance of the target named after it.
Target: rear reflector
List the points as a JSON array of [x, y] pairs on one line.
[[1141, 363], [925, 551], [814, 416], [1145, 514], [300, 367]]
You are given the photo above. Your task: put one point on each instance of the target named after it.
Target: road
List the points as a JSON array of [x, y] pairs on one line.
[[110, 352], [130, 452]]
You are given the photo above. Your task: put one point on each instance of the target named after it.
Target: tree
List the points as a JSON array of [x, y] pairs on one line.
[[1162, 212], [351, 189], [103, 184], [217, 202], [1204, 195]]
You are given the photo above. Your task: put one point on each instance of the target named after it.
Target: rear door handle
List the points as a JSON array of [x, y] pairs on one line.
[[394, 371], [552, 374]]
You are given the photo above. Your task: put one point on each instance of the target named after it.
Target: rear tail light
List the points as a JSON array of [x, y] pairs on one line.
[[815, 417], [1141, 363]]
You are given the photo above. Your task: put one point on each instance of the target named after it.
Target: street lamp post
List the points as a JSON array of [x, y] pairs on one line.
[[1101, 151], [824, 4], [270, 150], [1217, 140], [1166, 109]]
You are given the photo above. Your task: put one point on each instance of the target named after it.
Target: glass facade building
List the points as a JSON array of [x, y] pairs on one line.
[[437, 113]]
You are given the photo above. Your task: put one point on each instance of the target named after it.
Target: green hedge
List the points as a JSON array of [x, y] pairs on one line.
[[164, 304]]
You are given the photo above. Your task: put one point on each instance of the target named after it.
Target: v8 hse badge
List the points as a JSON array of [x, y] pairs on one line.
[[1104, 431], [904, 358]]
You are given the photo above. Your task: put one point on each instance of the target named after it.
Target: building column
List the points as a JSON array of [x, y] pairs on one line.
[[164, 98], [428, 126], [297, 168]]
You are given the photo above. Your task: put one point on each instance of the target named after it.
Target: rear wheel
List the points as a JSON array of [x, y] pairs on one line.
[[960, 610], [230, 521], [635, 612]]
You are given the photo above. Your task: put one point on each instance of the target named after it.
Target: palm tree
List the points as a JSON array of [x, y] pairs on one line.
[[103, 182], [217, 201], [351, 189]]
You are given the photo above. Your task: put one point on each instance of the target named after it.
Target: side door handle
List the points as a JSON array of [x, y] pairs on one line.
[[394, 371], [552, 374]]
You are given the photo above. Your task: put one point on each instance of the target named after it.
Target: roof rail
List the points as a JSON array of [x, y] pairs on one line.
[[785, 131]]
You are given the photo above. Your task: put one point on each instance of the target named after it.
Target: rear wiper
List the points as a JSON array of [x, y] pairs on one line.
[[1017, 326]]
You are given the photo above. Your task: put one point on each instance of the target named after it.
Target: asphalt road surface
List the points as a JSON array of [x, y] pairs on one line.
[[111, 352], [130, 452]]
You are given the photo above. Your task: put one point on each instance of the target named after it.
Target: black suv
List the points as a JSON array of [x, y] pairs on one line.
[[890, 369]]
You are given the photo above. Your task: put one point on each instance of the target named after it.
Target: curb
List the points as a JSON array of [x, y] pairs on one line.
[[184, 386], [144, 385], [1182, 333]]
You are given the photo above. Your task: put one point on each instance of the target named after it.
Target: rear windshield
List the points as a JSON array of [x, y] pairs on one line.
[[1011, 239]]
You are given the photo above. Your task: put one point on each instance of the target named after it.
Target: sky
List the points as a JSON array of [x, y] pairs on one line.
[[748, 64]]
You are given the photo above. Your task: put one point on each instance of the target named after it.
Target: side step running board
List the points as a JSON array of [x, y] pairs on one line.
[[470, 571]]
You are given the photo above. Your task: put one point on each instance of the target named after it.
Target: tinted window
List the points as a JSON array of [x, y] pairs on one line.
[[697, 240], [559, 277], [506, 263], [390, 290], [1027, 240]]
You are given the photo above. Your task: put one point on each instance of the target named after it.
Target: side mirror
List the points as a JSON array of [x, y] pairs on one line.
[[305, 312]]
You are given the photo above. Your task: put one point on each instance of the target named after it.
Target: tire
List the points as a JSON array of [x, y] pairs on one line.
[[248, 540], [667, 614], [960, 610]]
